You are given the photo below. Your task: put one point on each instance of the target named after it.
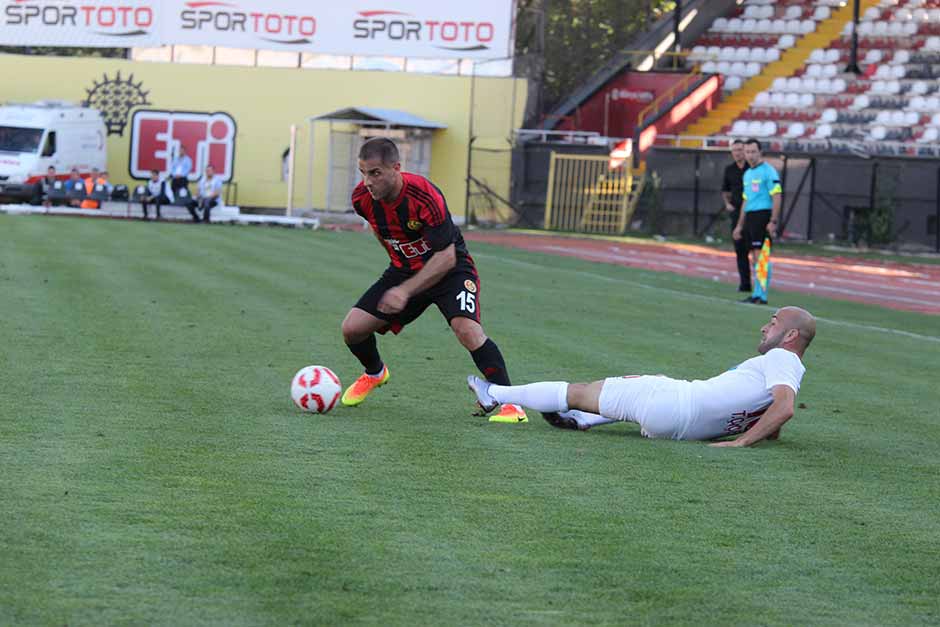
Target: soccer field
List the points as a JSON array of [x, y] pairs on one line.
[[153, 469]]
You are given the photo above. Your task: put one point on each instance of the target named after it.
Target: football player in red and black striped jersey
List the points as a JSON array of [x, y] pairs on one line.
[[429, 265]]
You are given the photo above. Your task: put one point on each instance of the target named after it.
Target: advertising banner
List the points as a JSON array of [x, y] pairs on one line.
[[400, 28]]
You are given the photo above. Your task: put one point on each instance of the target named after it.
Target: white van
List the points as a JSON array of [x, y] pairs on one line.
[[47, 133]]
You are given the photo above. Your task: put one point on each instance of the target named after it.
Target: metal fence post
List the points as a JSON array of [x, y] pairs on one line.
[[812, 195], [698, 157]]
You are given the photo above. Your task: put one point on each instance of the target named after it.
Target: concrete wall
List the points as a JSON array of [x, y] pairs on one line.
[[265, 102]]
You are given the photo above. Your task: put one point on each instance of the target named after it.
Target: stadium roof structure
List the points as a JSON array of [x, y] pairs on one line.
[[372, 116]]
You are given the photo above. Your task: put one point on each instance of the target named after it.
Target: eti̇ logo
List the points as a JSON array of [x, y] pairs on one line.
[[157, 136]]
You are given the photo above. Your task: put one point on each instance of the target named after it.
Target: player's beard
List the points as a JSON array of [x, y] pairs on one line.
[[769, 342]]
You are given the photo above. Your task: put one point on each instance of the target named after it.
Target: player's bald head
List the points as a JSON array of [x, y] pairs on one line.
[[799, 319]]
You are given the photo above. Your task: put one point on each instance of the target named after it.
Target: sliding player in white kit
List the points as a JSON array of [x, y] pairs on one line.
[[752, 400]]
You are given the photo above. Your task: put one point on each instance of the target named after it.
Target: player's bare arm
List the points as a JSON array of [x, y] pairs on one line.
[[774, 216], [438, 265], [769, 424]]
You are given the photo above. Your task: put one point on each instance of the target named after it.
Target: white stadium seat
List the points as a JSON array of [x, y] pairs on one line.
[[821, 13], [860, 102], [883, 117], [822, 131], [880, 29], [786, 41], [754, 127], [791, 100], [763, 26], [911, 118], [709, 67], [898, 71], [748, 26], [832, 55], [739, 127], [724, 67], [935, 120], [817, 56], [865, 29], [794, 83], [752, 69], [813, 70], [897, 118], [778, 99], [878, 133], [930, 136], [829, 116], [768, 129], [900, 57], [771, 55], [793, 12], [807, 27], [779, 84], [726, 54], [873, 56], [797, 129], [807, 101], [838, 86], [917, 103], [762, 99], [742, 54], [778, 27], [919, 88], [871, 14], [720, 24], [733, 83], [793, 27]]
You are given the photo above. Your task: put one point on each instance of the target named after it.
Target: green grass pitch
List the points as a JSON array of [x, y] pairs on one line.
[[154, 471]]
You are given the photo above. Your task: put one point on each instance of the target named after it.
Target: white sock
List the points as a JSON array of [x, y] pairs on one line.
[[544, 396], [586, 418]]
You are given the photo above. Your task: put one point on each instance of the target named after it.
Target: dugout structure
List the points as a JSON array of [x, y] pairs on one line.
[[347, 129]]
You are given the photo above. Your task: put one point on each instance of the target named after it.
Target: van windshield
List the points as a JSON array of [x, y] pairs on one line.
[[18, 139]]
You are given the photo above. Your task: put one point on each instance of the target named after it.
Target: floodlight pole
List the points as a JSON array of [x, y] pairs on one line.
[[853, 52]]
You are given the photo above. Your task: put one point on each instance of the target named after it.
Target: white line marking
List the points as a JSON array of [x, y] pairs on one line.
[[702, 297]]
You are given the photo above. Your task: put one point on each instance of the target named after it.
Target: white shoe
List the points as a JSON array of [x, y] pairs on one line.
[[481, 389]]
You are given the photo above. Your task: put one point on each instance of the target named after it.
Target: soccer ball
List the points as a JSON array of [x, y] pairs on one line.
[[315, 389]]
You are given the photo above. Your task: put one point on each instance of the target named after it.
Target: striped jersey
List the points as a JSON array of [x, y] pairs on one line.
[[404, 225]]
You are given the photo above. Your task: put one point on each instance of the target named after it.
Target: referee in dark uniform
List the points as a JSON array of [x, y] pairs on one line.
[[731, 190]]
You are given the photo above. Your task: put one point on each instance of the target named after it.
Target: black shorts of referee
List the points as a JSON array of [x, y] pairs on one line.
[[755, 227]]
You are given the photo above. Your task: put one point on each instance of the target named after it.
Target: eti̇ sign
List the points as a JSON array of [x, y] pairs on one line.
[[156, 136]]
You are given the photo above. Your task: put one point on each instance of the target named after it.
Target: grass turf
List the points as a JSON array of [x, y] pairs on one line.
[[154, 470]]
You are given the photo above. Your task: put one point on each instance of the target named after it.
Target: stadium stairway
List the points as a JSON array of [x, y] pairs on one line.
[[790, 61]]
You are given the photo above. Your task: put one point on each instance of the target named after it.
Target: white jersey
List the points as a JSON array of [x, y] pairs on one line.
[[732, 401], [701, 410]]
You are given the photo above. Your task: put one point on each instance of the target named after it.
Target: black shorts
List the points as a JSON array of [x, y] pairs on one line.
[[755, 227], [456, 295]]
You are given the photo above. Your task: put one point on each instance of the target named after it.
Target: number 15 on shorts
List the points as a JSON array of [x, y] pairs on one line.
[[468, 301]]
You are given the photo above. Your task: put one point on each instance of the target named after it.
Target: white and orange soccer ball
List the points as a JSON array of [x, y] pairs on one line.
[[315, 389]]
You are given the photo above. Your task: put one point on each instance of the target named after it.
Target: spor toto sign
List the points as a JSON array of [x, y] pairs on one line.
[[404, 28], [209, 139]]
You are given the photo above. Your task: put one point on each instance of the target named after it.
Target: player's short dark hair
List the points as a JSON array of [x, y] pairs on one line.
[[381, 147], [754, 141], [737, 141], [155, 171]]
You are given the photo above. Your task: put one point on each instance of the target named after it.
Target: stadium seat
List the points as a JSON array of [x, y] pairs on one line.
[[771, 55], [878, 133], [807, 101], [792, 100], [797, 129], [829, 116], [935, 120], [786, 41], [823, 131], [930, 136], [793, 12], [860, 102], [720, 24], [762, 99], [740, 127], [817, 56], [733, 83], [821, 13]]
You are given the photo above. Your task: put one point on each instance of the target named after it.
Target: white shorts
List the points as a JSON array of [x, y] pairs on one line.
[[660, 405]]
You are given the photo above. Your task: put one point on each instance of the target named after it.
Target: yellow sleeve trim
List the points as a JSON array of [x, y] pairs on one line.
[[776, 189]]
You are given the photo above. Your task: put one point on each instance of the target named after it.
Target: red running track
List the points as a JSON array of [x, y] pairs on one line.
[[907, 287]]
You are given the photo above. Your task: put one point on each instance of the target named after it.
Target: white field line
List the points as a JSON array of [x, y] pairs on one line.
[[700, 297]]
